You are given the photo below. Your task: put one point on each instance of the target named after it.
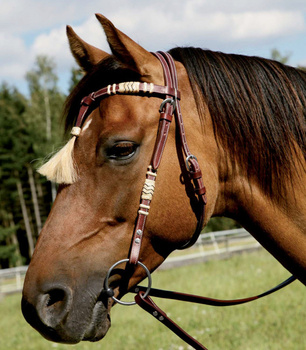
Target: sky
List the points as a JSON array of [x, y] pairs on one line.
[[37, 27]]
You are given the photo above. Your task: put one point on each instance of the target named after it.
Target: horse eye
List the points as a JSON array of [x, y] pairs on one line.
[[123, 150]]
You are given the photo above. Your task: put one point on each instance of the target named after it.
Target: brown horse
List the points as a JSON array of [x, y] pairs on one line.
[[245, 121]]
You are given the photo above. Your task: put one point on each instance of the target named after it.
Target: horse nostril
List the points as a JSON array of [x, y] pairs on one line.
[[54, 305], [55, 296]]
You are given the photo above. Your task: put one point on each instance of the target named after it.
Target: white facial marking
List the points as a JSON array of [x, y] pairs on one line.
[[86, 125]]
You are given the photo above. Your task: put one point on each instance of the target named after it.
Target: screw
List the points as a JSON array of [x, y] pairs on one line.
[[139, 232]]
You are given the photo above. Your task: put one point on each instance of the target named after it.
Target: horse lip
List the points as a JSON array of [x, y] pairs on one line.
[[97, 329], [99, 324]]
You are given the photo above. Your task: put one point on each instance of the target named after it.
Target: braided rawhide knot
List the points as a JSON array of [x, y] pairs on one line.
[[75, 131]]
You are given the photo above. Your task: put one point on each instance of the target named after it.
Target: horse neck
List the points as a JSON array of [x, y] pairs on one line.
[[280, 226]]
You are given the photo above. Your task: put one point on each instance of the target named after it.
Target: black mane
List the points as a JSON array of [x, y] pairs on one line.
[[258, 108]]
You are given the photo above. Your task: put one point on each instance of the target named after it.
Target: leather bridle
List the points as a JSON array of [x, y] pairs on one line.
[[169, 107]]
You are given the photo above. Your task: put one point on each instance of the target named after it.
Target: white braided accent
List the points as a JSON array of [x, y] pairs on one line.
[[136, 87], [143, 212], [130, 87], [148, 189], [121, 88], [150, 172], [75, 131], [144, 206]]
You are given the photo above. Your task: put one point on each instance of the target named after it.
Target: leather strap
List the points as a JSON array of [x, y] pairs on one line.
[[166, 294], [147, 304], [161, 138], [171, 106], [131, 88]]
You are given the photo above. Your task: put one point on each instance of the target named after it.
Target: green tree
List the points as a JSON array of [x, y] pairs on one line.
[[46, 103], [29, 129], [277, 56], [76, 76], [15, 150]]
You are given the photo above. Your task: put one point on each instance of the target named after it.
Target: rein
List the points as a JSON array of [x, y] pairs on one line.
[[169, 107]]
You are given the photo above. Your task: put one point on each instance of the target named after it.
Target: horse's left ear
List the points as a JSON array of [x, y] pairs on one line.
[[127, 51], [86, 55]]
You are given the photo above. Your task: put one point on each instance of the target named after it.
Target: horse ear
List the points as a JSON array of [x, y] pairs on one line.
[[126, 50], [86, 55]]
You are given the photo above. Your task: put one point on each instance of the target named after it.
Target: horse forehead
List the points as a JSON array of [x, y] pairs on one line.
[[129, 108]]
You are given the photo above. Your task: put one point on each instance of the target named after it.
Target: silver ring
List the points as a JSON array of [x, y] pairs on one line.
[[127, 303], [191, 156]]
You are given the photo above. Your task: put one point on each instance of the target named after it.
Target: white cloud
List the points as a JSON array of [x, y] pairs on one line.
[[156, 25], [266, 25], [14, 57]]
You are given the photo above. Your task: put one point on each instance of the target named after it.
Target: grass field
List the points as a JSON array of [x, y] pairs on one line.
[[273, 323]]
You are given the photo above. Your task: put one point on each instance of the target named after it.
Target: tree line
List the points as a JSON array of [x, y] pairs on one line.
[[30, 130]]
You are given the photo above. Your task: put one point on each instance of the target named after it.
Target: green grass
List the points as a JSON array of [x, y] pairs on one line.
[[273, 323]]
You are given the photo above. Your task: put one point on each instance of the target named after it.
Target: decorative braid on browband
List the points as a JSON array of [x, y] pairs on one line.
[[130, 87]]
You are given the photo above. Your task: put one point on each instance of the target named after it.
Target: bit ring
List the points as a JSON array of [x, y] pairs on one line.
[[127, 303]]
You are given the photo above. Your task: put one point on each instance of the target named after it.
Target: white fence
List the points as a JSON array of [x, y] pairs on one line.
[[11, 280], [219, 244], [213, 245]]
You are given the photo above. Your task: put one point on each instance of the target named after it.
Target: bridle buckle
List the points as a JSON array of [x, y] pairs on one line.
[[191, 156], [172, 102]]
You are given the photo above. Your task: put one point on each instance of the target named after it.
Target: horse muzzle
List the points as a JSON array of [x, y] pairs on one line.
[[66, 316]]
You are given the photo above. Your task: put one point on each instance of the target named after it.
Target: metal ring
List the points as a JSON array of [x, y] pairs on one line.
[[168, 100], [126, 302], [191, 156]]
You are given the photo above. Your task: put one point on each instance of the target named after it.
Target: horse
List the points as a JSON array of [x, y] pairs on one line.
[[244, 120]]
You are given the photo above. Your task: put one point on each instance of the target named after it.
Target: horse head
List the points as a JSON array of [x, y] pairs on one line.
[[91, 223]]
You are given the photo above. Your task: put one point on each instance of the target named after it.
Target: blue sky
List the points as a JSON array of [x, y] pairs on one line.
[[32, 27]]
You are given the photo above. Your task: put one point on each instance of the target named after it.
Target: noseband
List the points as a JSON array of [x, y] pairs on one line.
[[169, 107]]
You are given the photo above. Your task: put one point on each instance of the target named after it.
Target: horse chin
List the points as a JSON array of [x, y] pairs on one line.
[[99, 324]]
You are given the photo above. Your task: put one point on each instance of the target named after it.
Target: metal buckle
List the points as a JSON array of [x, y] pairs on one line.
[[191, 156], [109, 290], [168, 100]]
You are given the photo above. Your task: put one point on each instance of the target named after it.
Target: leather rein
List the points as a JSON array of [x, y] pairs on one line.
[[169, 107]]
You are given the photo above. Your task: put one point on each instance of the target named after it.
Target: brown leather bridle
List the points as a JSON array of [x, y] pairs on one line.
[[169, 107]]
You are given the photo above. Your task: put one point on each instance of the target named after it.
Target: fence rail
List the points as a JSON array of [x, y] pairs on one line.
[[214, 245], [218, 244], [11, 280]]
